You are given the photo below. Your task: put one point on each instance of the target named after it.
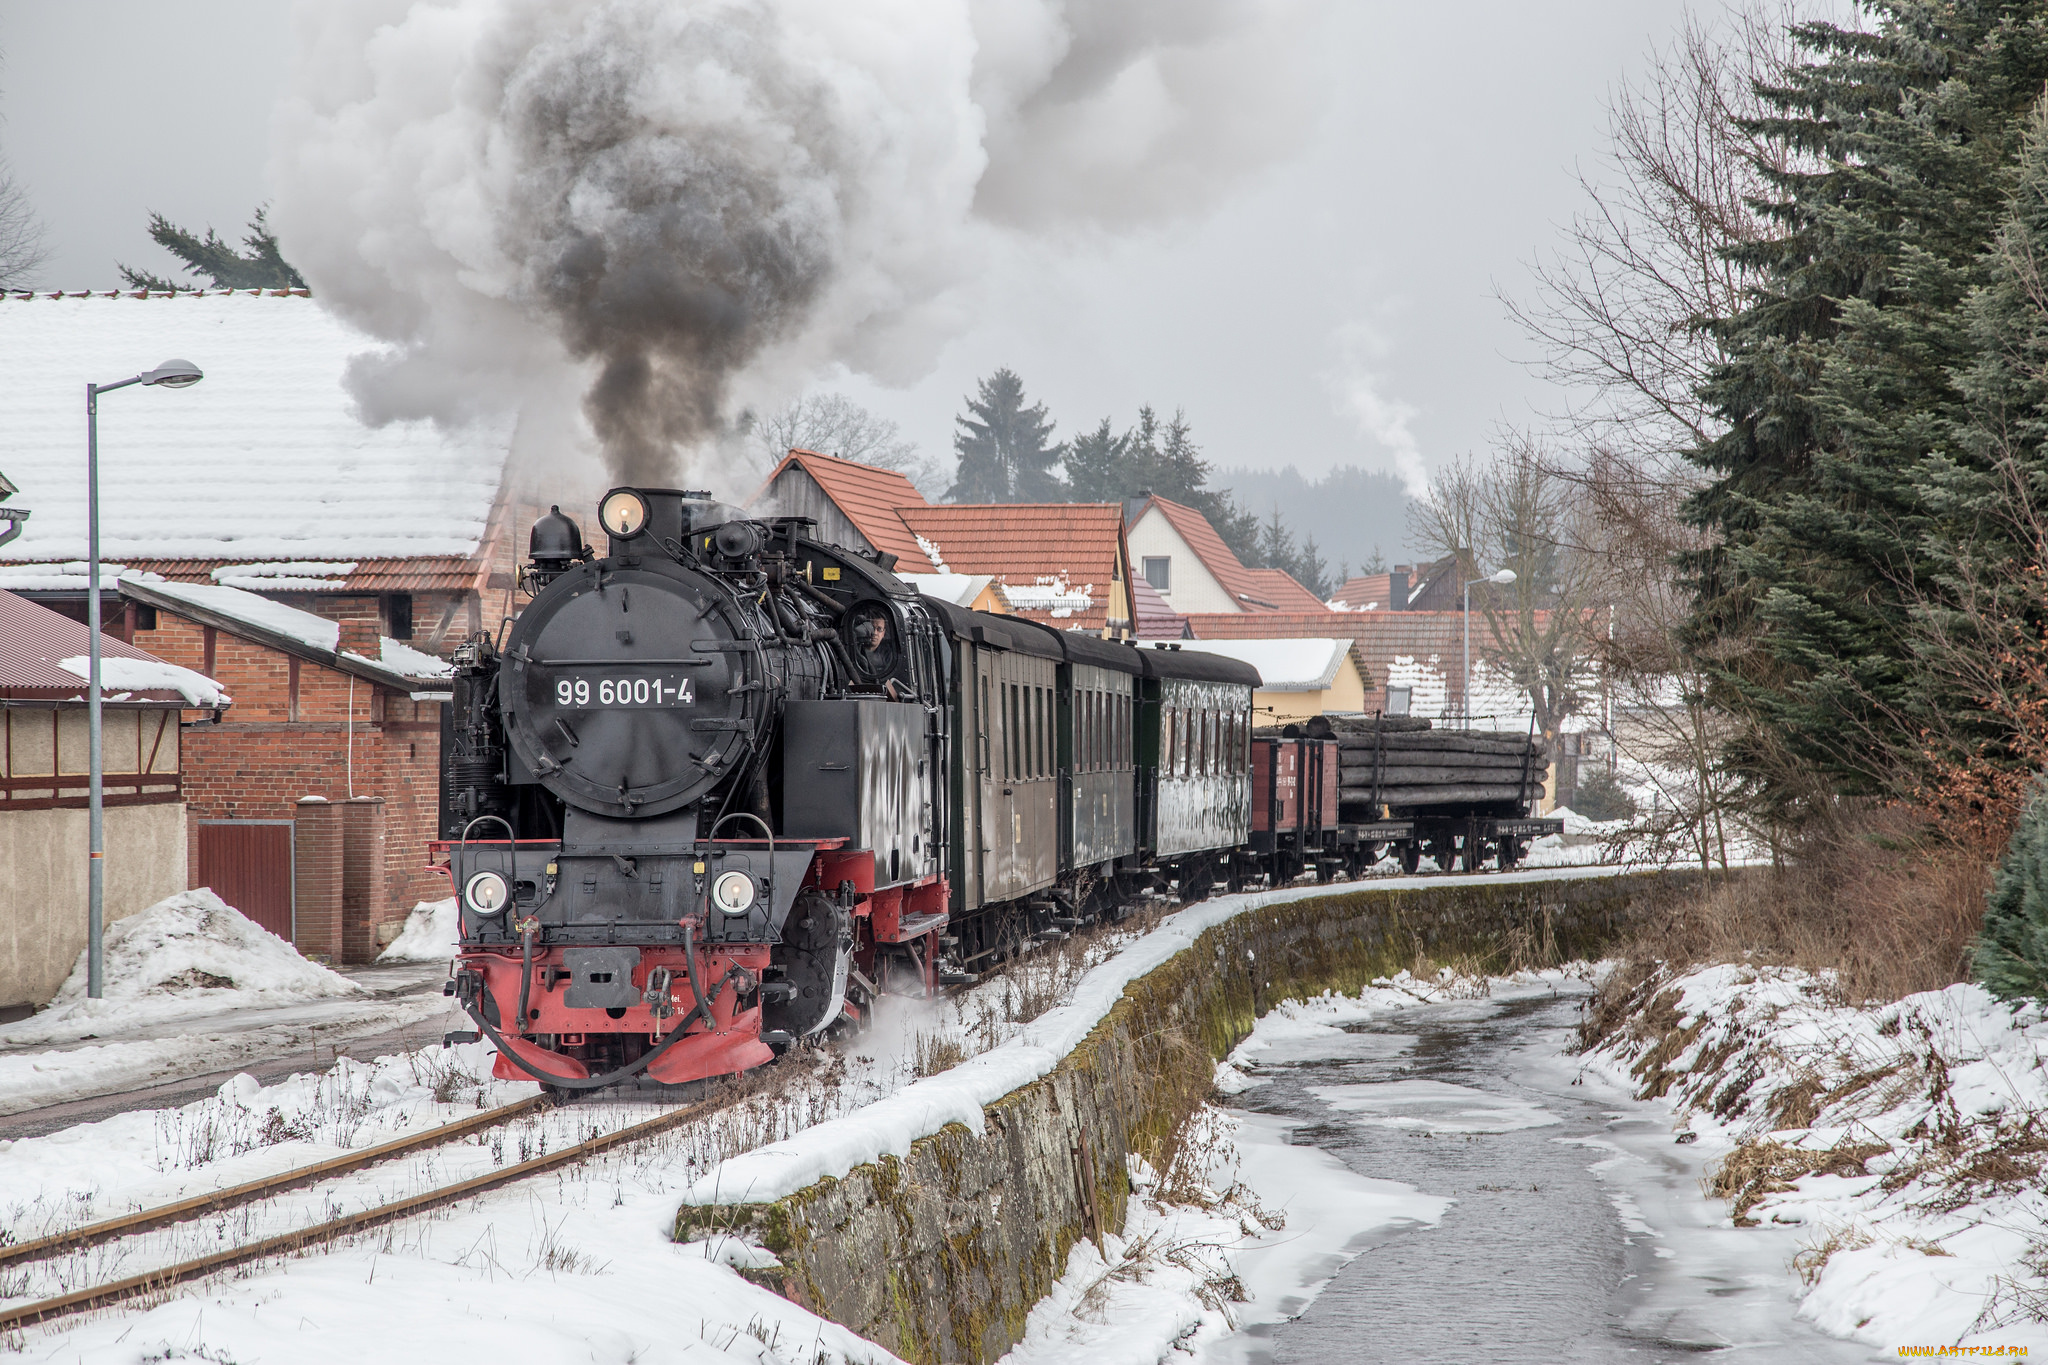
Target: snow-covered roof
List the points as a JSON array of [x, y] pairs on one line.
[[300, 632], [1308, 665], [958, 588], [44, 656], [265, 460]]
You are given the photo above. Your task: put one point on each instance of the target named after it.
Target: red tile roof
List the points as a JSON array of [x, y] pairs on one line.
[[1032, 545], [1281, 589], [33, 638], [1365, 590], [422, 573], [868, 497]]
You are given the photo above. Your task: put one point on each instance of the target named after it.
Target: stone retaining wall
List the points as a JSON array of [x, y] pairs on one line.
[[940, 1256]]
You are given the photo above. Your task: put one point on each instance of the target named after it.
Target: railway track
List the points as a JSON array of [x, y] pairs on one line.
[[113, 1291]]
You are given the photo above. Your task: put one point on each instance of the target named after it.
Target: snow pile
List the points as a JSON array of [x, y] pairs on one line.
[[430, 933], [1911, 1139], [188, 955], [119, 674]]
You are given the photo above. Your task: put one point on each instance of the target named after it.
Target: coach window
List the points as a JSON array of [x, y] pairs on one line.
[[1048, 712], [1094, 731]]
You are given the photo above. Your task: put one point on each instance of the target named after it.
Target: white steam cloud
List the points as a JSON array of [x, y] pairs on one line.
[[1358, 388], [623, 219]]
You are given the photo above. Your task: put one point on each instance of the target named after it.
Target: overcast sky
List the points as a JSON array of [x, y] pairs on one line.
[[1338, 309]]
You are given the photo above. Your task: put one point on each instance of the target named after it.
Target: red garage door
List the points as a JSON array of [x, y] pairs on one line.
[[248, 863]]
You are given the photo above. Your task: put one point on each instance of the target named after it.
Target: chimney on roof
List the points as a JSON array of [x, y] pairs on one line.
[[1397, 588], [360, 635]]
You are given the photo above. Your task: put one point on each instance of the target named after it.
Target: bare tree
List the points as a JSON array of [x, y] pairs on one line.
[[833, 424], [22, 247], [1624, 314], [1517, 513]]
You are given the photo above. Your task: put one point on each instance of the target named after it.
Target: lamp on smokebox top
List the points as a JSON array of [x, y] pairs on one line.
[[172, 374], [623, 512]]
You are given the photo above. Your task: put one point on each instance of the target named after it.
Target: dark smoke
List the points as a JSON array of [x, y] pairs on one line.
[[667, 259]]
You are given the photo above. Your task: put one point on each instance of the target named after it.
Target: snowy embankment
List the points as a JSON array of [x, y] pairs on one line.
[[1909, 1139], [191, 985], [890, 1125]]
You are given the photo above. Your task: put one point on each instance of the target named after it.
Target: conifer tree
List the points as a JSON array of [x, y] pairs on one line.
[[2010, 956], [1005, 448], [1840, 375], [261, 266], [1098, 466]]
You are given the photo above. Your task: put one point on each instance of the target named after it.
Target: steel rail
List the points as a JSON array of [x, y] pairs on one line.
[[143, 1220], [84, 1299]]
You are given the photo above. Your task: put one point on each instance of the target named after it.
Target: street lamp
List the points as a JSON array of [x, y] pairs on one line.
[[172, 374], [1504, 577]]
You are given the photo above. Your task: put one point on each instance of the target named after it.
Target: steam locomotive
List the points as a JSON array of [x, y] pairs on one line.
[[720, 787]]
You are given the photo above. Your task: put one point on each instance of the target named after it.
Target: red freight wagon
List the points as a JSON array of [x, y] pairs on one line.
[[1294, 801]]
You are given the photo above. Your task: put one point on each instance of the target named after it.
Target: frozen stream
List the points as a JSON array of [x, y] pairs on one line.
[[1579, 1229]]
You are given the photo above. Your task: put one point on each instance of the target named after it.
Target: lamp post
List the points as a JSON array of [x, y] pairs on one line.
[[1504, 577], [172, 374]]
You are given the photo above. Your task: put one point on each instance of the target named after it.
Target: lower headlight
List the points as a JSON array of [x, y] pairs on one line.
[[487, 893], [733, 892]]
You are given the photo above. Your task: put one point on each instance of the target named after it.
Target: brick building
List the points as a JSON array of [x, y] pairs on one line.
[[324, 709], [262, 528]]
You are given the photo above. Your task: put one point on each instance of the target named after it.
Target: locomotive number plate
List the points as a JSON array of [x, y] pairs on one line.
[[625, 692]]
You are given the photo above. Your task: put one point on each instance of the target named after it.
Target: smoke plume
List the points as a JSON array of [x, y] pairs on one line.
[[657, 210]]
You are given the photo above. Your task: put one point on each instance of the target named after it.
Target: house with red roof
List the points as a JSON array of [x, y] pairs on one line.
[[1065, 564], [1178, 552]]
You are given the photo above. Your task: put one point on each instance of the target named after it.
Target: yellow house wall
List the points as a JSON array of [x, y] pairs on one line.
[[1346, 692]]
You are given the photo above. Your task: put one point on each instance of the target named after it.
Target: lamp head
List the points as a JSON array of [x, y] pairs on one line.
[[174, 374], [1504, 577]]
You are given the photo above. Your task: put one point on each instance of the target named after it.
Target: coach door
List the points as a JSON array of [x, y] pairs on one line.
[[248, 864]]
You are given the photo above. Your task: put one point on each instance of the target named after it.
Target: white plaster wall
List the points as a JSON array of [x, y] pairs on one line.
[[43, 894], [1194, 589]]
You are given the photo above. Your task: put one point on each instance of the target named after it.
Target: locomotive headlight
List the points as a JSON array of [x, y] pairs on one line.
[[487, 893], [733, 892], [623, 512]]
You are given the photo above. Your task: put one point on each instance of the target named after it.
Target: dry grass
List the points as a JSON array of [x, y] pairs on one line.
[[1761, 1167], [1878, 904]]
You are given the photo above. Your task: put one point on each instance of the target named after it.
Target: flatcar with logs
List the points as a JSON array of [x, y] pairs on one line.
[[717, 788]]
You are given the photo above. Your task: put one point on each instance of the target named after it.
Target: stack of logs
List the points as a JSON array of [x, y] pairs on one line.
[[1402, 761]]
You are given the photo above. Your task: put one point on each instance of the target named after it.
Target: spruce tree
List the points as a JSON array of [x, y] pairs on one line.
[[1005, 448], [1839, 375], [2010, 956], [261, 266], [1098, 466]]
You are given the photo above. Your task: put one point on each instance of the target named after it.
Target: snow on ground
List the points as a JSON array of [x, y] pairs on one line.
[[188, 955], [431, 933], [191, 986], [1907, 1141], [1270, 1226]]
